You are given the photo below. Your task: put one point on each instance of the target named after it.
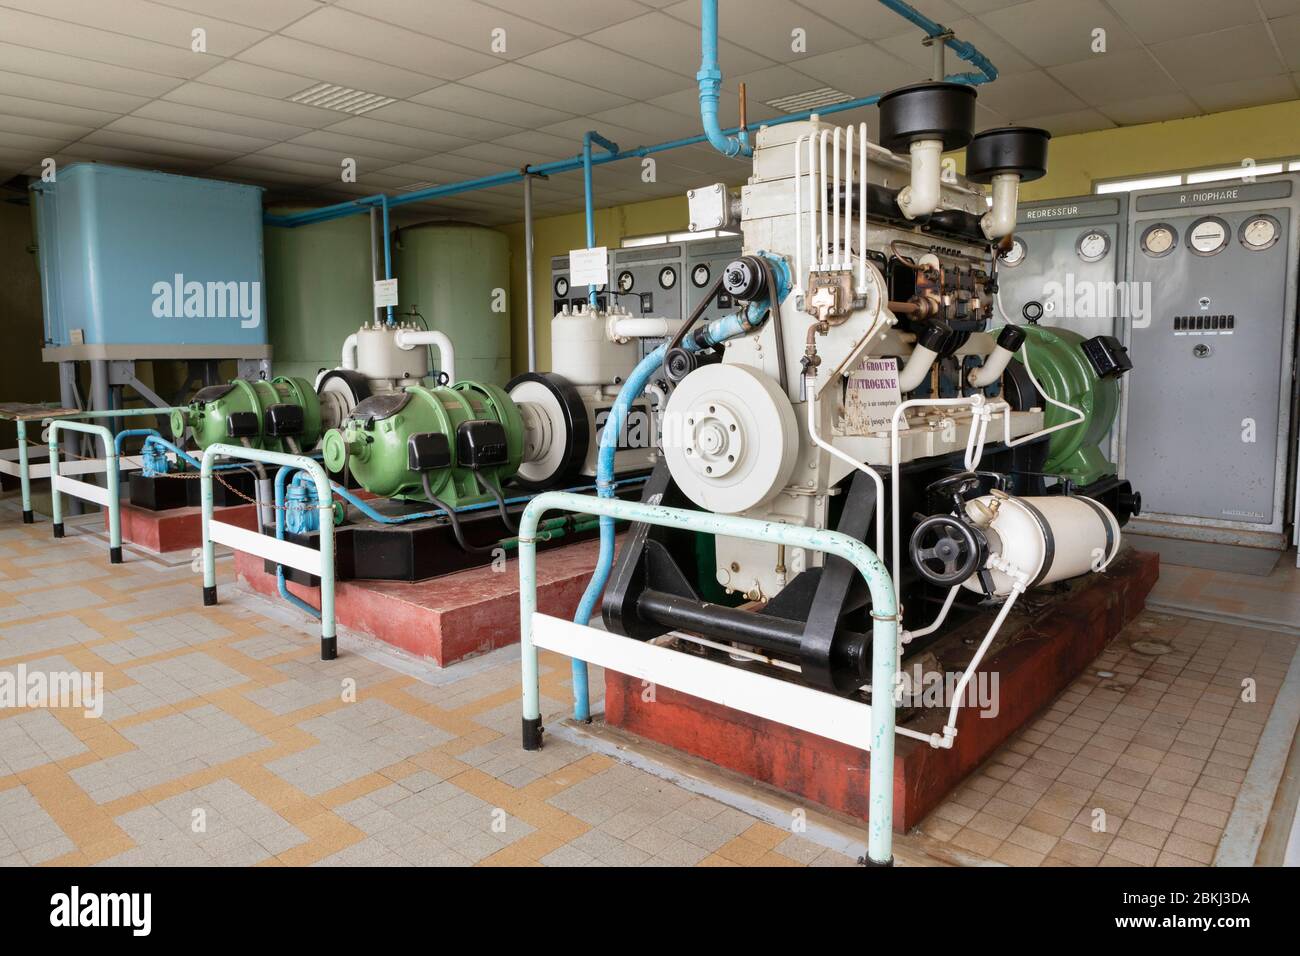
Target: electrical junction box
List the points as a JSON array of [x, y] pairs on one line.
[[138, 264]]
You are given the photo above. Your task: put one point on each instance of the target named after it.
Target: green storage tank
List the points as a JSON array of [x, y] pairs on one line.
[[318, 290], [457, 276]]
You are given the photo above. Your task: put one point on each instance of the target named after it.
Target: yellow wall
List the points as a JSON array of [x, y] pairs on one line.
[[1074, 163], [23, 376]]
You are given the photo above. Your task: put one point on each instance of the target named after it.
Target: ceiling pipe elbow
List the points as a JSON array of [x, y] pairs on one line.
[[709, 79]]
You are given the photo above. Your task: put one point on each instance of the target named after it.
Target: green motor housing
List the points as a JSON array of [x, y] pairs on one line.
[[210, 412], [1064, 371], [390, 441]]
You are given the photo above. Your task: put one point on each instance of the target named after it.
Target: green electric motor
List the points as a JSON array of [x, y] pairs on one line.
[[1083, 373], [280, 415], [464, 440]]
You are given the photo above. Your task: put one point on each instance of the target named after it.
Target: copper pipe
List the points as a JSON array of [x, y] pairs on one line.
[[744, 121]]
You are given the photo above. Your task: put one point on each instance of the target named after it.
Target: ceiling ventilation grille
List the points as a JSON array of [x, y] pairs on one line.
[[416, 187], [331, 96], [809, 100]]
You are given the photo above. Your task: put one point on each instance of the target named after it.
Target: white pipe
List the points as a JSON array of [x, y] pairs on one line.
[[862, 209], [857, 465], [846, 258], [950, 728], [992, 369], [348, 359], [938, 621], [798, 220], [917, 368], [418, 338], [1024, 359], [835, 201], [821, 198], [812, 209], [622, 327], [1000, 220], [922, 197]]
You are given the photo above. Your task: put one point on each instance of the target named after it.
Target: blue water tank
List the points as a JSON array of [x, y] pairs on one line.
[[134, 257]]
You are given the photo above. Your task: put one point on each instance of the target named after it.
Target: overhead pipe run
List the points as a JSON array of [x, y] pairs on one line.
[[986, 72], [710, 80], [591, 136]]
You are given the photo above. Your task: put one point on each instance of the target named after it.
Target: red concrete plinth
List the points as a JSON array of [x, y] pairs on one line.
[[1034, 658], [176, 529], [449, 618]]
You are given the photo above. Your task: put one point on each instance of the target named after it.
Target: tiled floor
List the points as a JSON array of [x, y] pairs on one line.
[[224, 740]]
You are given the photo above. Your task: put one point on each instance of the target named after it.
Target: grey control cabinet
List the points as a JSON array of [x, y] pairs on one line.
[[1208, 408]]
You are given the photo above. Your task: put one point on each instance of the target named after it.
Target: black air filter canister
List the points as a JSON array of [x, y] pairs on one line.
[[927, 111]]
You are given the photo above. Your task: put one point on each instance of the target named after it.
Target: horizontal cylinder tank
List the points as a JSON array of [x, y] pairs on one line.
[[457, 277], [318, 290]]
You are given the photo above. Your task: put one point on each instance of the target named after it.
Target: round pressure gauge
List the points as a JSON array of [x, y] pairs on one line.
[[1015, 255], [667, 277], [1158, 240], [561, 287], [1259, 232], [1207, 236], [1092, 246], [625, 281], [700, 276]]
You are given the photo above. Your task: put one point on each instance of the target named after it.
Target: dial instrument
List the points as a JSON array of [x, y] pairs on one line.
[[700, 276], [667, 277], [561, 287], [1259, 232], [1093, 245], [626, 281], [1015, 254], [1207, 236], [1158, 240]]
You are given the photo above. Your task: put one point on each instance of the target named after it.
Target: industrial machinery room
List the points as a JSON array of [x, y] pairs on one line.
[[850, 434]]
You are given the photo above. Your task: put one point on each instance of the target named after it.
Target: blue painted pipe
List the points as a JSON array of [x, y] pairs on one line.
[[710, 80], [591, 136], [967, 51], [388, 253]]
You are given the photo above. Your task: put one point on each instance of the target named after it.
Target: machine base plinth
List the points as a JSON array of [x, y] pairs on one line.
[[154, 493], [449, 618], [1034, 658], [175, 529]]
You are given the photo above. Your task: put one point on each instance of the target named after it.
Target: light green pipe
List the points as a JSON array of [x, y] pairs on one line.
[[112, 413], [324, 495], [884, 614], [24, 476], [110, 470]]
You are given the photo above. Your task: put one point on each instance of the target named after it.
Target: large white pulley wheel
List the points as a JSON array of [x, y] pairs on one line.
[[730, 438]]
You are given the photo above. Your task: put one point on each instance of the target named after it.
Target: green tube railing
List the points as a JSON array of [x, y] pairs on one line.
[[111, 502], [325, 497], [884, 614]]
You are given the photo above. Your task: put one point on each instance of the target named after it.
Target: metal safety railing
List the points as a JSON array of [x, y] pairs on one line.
[[870, 727], [106, 497], [319, 562]]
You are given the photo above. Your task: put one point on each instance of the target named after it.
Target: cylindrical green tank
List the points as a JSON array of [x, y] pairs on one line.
[[209, 412], [318, 290], [457, 276], [374, 441], [1063, 370]]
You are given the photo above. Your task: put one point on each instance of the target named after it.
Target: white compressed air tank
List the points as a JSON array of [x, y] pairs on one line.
[[1043, 539]]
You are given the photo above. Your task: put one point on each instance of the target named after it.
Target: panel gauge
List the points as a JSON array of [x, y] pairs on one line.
[[1093, 245], [1159, 240], [626, 281], [667, 277], [561, 287], [700, 276], [1259, 232], [1015, 254], [1208, 236]]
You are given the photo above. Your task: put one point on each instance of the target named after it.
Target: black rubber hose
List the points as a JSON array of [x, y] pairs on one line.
[[454, 520], [501, 502], [774, 314]]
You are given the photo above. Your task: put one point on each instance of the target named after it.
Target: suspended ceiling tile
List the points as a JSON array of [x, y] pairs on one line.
[[575, 17], [1075, 121], [1115, 77], [1052, 32], [85, 151], [659, 123], [253, 13], [467, 24], [860, 70], [41, 128], [75, 115], [605, 69], [352, 146], [767, 27], [873, 21], [1241, 53], [218, 120], [41, 91], [459, 98], [180, 133], [541, 145], [1151, 109], [249, 104], [378, 130], [44, 33], [317, 172], [1240, 93], [534, 86], [250, 78], [420, 116], [260, 176], [984, 6], [120, 140], [515, 158], [331, 158], [336, 29], [72, 69], [572, 130], [1032, 94], [1156, 20], [1279, 8], [148, 21], [34, 146], [1287, 33], [453, 167], [671, 44], [294, 56]]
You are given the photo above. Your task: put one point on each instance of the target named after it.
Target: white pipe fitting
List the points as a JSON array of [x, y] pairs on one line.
[[418, 338], [621, 328], [922, 197], [1001, 219], [992, 369], [349, 358], [917, 368]]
